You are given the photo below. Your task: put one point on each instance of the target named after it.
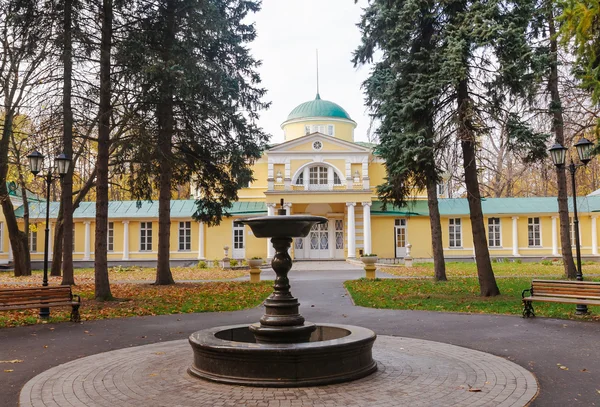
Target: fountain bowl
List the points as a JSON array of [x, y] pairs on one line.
[[287, 226], [334, 354]]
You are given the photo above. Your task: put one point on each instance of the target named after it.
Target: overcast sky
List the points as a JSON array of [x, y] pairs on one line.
[[289, 32]]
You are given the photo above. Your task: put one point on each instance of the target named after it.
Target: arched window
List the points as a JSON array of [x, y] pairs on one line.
[[317, 176]]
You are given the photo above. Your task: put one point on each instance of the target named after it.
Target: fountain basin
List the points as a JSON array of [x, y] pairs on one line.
[[335, 353]]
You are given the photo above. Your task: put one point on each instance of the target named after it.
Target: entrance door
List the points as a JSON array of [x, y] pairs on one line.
[[400, 236], [239, 246], [339, 238], [318, 239]]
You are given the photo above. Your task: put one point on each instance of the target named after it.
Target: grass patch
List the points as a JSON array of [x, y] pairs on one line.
[[144, 299], [458, 295], [129, 274], [504, 269]]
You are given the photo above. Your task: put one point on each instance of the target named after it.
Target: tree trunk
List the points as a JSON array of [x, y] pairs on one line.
[[102, 283], [556, 112], [26, 225], [57, 245], [487, 280], [165, 139], [67, 180], [18, 239], [439, 264]]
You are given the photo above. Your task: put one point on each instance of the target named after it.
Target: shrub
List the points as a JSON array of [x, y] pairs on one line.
[[202, 265], [370, 255], [233, 262], [256, 258], [518, 261], [547, 262]]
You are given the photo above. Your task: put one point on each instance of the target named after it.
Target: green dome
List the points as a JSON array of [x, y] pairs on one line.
[[318, 108]]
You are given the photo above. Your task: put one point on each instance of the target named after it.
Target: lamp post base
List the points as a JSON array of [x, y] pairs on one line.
[[581, 309], [45, 313]]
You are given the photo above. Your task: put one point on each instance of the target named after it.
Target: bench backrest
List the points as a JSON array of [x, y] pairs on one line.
[[35, 295], [566, 289]]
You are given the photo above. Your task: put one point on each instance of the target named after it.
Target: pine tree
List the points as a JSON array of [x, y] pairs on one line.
[[199, 96], [402, 92]]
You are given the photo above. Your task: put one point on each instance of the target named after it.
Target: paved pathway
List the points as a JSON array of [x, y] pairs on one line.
[[537, 344]]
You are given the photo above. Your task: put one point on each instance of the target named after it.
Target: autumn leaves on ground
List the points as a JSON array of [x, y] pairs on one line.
[[135, 296], [198, 290]]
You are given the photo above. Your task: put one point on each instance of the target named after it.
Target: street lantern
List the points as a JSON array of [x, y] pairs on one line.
[[62, 164], [584, 150], [558, 154], [36, 160]]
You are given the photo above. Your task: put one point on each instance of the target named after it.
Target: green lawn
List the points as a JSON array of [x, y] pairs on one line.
[[146, 299], [501, 269], [455, 295]]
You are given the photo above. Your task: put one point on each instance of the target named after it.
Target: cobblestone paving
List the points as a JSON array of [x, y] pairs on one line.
[[411, 372]]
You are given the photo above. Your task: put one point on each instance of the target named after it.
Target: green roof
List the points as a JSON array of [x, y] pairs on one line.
[[490, 206], [318, 108], [143, 209]]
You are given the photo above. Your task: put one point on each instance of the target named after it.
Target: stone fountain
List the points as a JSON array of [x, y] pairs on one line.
[[282, 349]]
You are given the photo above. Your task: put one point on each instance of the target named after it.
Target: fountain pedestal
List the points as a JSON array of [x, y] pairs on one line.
[[282, 322], [282, 349]]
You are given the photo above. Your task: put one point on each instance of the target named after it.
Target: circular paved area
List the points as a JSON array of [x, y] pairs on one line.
[[412, 372]]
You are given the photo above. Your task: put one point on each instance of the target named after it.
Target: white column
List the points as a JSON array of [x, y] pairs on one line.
[[287, 176], [125, 240], [348, 174], [554, 236], [515, 236], [351, 230], [365, 174], [270, 248], [87, 241], [200, 240], [367, 227], [305, 175], [10, 252], [594, 236], [288, 208], [330, 178]]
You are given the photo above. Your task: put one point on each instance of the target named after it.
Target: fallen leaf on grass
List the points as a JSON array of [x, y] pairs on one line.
[[11, 361], [473, 390], [563, 367], [8, 370]]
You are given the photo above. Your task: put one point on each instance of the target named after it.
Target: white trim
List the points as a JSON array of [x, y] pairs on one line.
[[318, 119], [145, 228], [185, 236], [541, 244], [1, 237], [460, 234], [285, 146]]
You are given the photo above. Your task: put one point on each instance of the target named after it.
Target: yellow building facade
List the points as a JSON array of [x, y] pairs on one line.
[[320, 170]]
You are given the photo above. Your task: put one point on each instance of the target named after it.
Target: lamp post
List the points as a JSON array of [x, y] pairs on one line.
[[558, 153], [62, 162]]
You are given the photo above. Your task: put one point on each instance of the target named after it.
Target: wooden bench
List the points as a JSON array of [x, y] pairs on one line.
[[40, 297], [567, 292]]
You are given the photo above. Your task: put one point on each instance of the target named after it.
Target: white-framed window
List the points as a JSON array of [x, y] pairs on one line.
[[441, 189], [336, 179], [455, 232], [534, 232], [238, 235], [110, 237], [494, 232], [1, 237], [307, 130], [185, 236], [145, 236], [300, 179], [317, 175], [330, 130], [33, 235], [572, 231]]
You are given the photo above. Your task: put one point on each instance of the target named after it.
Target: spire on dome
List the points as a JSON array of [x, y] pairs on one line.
[[318, 96]]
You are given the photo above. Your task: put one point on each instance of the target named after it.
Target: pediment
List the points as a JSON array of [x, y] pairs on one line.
[[305, 144]]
